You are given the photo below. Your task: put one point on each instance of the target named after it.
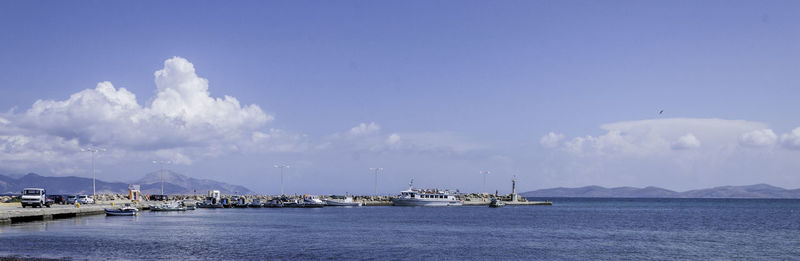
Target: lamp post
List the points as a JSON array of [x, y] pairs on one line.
[[484, 172], [162, 172], [281, 166], [376, 178], [93, 150]]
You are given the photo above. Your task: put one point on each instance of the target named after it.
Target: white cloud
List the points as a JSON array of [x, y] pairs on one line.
[[688, 141], [659, 136], [551, 140], [369, 138], [791, 140], [674, 152], [277, 140], [393, 139], [575, 145], [364, 129], [182, 122], [758, 138]]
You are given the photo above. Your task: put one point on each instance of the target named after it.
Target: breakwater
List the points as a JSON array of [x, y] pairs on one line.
[[12, 212]]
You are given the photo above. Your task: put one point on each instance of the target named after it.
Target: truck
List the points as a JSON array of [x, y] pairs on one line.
[[35, 197]]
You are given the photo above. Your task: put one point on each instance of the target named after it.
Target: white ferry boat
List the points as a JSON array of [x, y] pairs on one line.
[[426, 197]]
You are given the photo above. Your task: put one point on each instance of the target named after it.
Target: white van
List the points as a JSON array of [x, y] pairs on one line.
[[34, 197]]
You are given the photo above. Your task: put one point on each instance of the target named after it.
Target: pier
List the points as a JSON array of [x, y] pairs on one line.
[[14, 214]]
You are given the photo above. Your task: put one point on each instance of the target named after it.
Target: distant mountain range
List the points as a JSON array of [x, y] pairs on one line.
[[174, 183], [751, 191]]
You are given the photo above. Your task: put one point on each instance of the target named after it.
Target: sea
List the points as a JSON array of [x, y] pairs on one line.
[[570, 229]]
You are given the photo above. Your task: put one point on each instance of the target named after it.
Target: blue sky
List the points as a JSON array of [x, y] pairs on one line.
[[464, 85]]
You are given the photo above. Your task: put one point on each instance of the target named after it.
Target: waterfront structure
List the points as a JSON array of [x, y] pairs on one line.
[[134, 192], [426, 198]]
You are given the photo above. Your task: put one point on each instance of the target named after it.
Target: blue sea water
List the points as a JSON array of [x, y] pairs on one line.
[[571, 229]]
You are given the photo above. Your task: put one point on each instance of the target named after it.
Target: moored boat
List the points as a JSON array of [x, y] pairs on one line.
[[426, 197], [208, 205], [212, 200], [126, 210], [274, 203], [190, 206], [496, 203], [342, 202], [256, 203], [167, 207], [310, 201]]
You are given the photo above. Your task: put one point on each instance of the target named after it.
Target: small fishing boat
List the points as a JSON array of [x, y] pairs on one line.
[[239, 202], [126, 210], [275, 203], [189, 206], [496, 203], [212, 200], [256, 203], [167, 207], [209, 205], [226, 203], [342, 202], [310, 201]]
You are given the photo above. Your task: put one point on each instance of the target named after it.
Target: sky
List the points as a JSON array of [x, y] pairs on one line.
[[556, 93]]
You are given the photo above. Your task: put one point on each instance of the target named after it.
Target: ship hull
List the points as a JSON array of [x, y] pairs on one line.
[[426, 203]]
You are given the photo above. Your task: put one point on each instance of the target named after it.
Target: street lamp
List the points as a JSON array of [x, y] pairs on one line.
[[485, 172], [162, 172], [376, 178], [93, 150], [281, 166]]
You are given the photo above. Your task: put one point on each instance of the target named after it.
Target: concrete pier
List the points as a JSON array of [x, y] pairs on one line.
[[17, 214]]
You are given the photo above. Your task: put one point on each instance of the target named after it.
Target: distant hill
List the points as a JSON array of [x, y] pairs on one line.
[[751, 191], [174, 183], [151, 184], [602, 192]]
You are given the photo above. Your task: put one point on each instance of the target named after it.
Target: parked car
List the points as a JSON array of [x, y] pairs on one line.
[[57, 199], [72, 199], [85, 199]]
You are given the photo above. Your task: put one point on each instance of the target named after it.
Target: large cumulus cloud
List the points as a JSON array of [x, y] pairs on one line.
[[182, 121]]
